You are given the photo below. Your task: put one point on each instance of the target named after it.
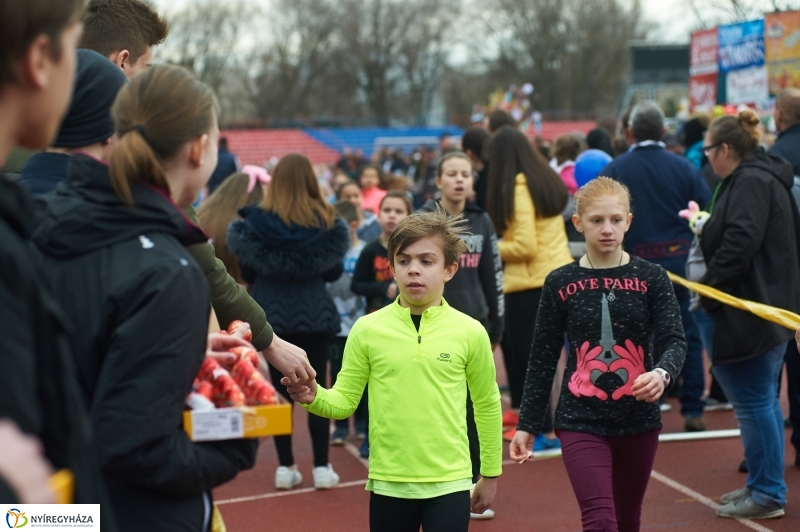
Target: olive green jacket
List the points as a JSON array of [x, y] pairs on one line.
[[229, 299]]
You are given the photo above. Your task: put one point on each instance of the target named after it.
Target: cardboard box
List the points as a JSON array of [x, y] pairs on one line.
[[239, 422]]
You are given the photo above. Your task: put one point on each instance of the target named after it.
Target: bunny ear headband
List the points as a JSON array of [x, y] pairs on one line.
[[256, 174]]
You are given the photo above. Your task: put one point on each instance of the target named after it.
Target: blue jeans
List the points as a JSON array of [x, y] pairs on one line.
[[752, 389], [792, 359], [694, 379], [705, 327]]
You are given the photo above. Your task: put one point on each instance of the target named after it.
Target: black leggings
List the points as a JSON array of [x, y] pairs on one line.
[[521, 309], [448, 513], [316, 347]]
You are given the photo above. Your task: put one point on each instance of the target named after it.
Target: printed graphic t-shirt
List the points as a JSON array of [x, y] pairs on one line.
[[611, 318]]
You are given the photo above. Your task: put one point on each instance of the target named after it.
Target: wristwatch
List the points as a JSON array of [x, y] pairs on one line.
[[664, 375]]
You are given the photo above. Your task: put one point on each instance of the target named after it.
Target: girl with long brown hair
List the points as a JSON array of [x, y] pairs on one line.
[[113, 244], [525, 200], [288, 247]]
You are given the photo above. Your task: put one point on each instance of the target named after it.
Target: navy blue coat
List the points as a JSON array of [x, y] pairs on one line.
[[288, 267], [43, 172], [661, 185], [788, 147]]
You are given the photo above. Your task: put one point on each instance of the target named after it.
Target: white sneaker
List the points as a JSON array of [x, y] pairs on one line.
[[287, 478], [488, 514], [325, 478], [665, 407]]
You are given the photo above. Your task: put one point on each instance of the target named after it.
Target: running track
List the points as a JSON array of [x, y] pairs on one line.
[[688, 479]]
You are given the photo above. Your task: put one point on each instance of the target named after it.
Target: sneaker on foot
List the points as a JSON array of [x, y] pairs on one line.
[[735, 495], [694, 424], [325, 478], [510, 419], [715, 405], [543, 447], [743, 467], [287, 478], [487, 514], [339, 436], [665, 407], [747, 508]]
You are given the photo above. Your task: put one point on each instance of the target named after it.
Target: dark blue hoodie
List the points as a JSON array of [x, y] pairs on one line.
[[661, 185], [288, 267]]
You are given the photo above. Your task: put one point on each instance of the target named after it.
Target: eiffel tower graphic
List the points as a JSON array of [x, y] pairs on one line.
[[607, 342]]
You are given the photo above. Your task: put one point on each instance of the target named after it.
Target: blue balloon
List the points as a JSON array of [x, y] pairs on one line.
[[588, 165]]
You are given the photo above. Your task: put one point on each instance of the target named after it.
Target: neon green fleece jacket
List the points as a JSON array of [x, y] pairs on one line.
[[418, 393]]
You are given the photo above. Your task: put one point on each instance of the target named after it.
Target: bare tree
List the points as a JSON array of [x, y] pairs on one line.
[[205, 37], [713, 12], [305, 48], [396, 46], [573, 52]]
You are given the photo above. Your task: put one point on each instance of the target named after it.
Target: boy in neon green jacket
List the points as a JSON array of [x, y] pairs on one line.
[[417, 354]]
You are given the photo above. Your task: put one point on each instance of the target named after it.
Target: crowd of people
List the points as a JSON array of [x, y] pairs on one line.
[[378, 289]]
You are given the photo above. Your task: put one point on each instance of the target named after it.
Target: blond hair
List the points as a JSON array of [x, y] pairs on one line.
[[598, 188], [155, 114], [430, 225]]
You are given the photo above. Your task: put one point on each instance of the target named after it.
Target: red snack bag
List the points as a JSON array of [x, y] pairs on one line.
[[235, 324], [256, 389], [245, 353], [226, 391], [205, 389], [199, 403], [206, 372]]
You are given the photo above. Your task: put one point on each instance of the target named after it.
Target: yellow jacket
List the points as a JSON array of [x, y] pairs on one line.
[[531, 247]]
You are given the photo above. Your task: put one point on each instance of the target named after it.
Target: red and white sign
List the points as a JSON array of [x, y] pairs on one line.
[[703, 52], [748, 86], [703, 92]]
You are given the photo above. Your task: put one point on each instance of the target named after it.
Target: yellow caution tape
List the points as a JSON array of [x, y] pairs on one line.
[[790, 320]]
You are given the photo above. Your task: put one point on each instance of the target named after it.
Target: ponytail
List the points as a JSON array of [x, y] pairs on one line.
[[155, 114], [739, 132], [132, 156]]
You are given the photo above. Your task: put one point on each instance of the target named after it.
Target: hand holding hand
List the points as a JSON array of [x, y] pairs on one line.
[[648, 387], [483, 495], [291, 361], [521, 445], [219, 344], [23, 466], [302, 393]]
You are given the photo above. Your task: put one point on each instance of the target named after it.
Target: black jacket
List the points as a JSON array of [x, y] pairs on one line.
[[750, 245], [788, 147], [139, 306], [40, 390], [43, 172], [477, 288], [288, 268]]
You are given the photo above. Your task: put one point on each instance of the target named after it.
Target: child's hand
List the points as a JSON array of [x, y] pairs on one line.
[[648, 387], [483, 495], [521, 445], [391, 292], [303, 394]]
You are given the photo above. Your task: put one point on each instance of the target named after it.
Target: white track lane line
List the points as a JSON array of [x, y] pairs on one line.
[[702, 499], [287, 493], [356, 454]]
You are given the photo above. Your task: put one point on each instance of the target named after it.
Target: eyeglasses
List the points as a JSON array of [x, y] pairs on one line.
[[706, 149]]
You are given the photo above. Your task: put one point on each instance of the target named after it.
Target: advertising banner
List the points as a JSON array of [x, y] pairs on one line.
[[782, 42], [703, 92], [703, 52], [748, 86], [741, 45]]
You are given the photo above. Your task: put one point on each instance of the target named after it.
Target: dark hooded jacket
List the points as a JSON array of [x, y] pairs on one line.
[[477, 287], [288, 267], [139, 306], [40, 390], [750, 245]]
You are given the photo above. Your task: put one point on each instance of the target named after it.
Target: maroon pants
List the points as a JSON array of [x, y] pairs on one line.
[[609, 477]]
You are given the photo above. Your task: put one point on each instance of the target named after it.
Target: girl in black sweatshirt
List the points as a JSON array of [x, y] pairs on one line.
[[612, 307]]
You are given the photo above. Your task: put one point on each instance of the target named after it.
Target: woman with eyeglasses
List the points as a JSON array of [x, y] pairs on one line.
[[751, 251]]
